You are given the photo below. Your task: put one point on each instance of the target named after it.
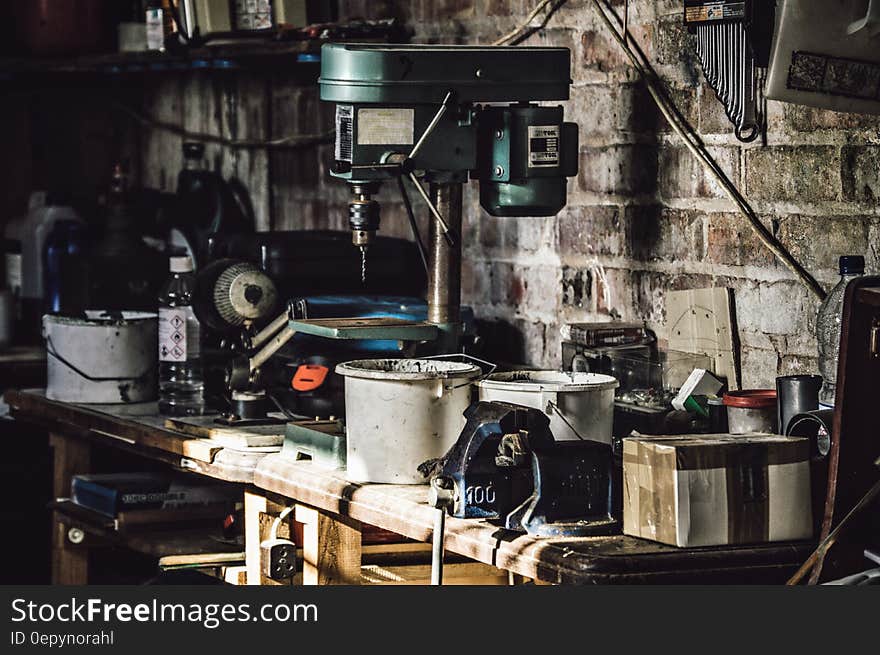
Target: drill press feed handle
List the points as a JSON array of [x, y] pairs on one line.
[[416, 107]]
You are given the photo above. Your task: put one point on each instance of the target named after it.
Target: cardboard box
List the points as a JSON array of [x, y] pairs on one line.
[[708, 490]]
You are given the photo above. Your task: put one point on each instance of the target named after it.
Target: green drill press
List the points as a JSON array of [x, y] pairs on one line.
[[432, 114]]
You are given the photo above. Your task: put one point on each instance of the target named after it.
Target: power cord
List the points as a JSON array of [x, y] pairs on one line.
[[695, 144], [290, 142], [525, 29], [273, 534]]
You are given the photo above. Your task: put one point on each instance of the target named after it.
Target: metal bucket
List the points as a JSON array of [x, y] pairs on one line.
[[580, 405], [400, 413], [102, 358]]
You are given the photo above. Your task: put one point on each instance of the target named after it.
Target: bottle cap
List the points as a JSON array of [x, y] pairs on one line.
[[193, 150], [182, 264], [852, 265]]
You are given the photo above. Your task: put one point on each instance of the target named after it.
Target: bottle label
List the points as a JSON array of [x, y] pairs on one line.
[[13, 272], [179, 338]]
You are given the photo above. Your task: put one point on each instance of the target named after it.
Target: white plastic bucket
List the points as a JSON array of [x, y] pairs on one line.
[[580, 405], [101, 359], [400, 413]]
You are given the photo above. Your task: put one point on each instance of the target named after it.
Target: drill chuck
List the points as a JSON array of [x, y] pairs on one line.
[[363, 214]]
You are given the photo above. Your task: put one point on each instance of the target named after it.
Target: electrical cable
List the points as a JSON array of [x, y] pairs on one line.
[[524, 30], [696, 146], [291, 142], [278, 519]]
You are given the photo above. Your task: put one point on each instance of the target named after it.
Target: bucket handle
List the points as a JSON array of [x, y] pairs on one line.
[[492, 367], [50, 350], [551, 407]]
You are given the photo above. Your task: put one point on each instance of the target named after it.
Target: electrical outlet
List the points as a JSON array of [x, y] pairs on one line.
[[278, 558]]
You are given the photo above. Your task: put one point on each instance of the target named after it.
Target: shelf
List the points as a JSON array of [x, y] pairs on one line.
[[183, 538], [299, 58]]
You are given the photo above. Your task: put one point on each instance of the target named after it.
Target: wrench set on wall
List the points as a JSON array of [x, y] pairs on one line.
[[733, 44]]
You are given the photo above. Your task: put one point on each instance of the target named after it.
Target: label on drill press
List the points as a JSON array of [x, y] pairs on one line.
[[385, 126], [178, 334], [543, 145], [344, 129]]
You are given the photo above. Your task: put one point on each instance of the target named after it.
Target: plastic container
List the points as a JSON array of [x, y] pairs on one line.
[[401, 413], [796, 394], [828, 326], [580, 405], [104, 358], [181, 382], [751, 411]]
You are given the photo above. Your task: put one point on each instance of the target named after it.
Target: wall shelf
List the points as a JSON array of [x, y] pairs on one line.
[[301, 59]]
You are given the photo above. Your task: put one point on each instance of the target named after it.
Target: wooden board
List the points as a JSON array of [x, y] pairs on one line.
[[267, 437], [700, 321], [618, 559], [137, 429]]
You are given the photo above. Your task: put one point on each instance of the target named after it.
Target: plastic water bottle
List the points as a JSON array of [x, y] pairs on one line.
[[828, 326], [181, 384]]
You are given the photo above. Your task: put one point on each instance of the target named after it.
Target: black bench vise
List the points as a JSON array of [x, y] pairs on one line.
[[573, 492], [507, 465], [489, 481]]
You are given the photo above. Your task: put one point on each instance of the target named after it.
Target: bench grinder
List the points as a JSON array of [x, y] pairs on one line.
[[431, 115]]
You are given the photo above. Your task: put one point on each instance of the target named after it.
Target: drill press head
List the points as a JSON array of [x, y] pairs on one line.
[[415, 108]]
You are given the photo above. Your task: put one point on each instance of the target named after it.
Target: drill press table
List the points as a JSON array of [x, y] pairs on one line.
[[403, 509]]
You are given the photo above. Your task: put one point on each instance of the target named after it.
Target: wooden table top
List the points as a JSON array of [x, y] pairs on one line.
[[592, 560], [403, 508], [137, 428]]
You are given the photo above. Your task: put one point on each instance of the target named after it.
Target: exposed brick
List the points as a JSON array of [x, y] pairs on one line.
[[713, 119], [577, 287], [619, 169], [613, 292], [805, 173], [673, 46], [861, 173], [600, 52], [655, 233], [818, 241], [759, 368], [731, 241], [683, 176], [586, 231], [799, 118]]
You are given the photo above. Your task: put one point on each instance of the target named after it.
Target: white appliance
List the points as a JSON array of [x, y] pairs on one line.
[[826, 53]]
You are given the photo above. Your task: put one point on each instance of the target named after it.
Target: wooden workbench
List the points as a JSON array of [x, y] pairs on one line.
[[334, 512], [135, 429], [595, 560]]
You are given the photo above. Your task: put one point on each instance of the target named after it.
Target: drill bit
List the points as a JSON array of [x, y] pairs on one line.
[[363, 264]]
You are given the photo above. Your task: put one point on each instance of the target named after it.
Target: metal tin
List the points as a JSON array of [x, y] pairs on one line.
[[102, 359]]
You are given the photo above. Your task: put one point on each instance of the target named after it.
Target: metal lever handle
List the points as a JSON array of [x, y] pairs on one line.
[[443, 107], [442, 497], [424, 194]]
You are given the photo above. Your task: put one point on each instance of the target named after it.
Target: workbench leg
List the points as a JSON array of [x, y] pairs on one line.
[[331, 548], [70, 456], [254, 505]]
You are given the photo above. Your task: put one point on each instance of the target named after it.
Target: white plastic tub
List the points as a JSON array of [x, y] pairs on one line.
[[100, 359], [580, 405], [400, 413]]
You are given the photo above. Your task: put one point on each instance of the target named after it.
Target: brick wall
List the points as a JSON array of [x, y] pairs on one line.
[[642, 218]]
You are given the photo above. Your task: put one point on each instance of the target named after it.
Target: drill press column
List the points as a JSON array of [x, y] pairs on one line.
[[444, 266]]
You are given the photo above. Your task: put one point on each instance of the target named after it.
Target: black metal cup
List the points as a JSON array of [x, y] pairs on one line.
[[796, 394]]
